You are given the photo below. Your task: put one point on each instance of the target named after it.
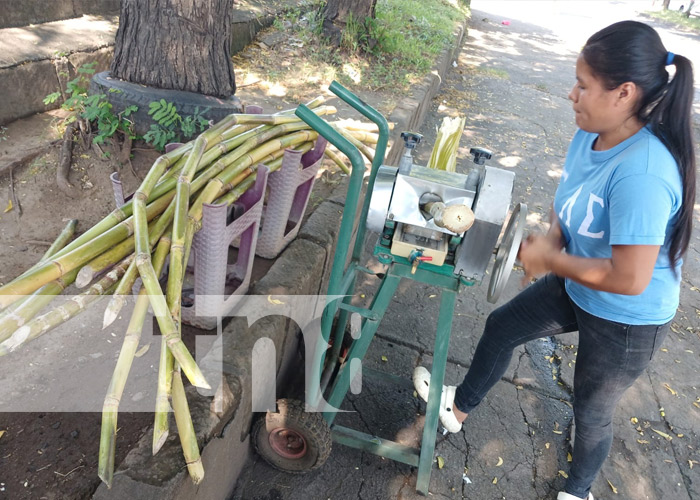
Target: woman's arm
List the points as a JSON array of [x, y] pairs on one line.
[[627, 272]]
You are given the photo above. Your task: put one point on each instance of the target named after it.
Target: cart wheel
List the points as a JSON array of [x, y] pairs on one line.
[[292, 440], [507, 252]]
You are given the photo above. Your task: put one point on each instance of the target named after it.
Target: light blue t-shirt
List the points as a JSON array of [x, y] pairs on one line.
[[628, 195]]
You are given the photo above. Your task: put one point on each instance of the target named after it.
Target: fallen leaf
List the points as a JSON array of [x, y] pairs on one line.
[[9, 206], [142, 351], [634, 420], [276, 302], [642, 441], [495, 480], [440, 462], [556, 432], [563, 474], [662, 434], [614, 490], [500, 462], [546, 445], [663, 349], [415, 394], [2, 433], [385, 359], [689, 351], [569, 458], [519, 387], [669, 389], [432, 296], [696, 404], [680, 435]]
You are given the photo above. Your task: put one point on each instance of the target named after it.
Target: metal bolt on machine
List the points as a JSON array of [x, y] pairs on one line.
[[435, 227]]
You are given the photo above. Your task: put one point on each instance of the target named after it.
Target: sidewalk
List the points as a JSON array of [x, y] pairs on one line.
[[511, 81]]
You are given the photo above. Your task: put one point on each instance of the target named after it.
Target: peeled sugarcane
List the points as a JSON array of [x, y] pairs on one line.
[[444, 154], [40, 325], [110, 408]]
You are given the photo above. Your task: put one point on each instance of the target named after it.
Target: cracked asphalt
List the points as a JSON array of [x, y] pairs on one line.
[[511, 80]]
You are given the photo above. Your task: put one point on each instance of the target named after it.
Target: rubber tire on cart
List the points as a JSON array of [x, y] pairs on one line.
[[291, 439]]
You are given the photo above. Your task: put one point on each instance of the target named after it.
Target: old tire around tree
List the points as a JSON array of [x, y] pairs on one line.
[[291, 439]]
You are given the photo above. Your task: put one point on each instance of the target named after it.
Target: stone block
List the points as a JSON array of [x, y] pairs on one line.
[[25, 87]]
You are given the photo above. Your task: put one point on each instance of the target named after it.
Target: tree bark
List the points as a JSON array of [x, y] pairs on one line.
[[337, 12], [666, 4], [176, 44]]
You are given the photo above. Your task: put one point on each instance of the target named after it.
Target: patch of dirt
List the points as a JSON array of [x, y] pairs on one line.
[[54, 455]]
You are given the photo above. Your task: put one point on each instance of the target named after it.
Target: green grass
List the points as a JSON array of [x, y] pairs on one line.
[[393, 50], [676, 18]]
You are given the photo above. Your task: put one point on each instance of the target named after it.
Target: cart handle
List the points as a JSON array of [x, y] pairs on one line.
[[354, 190]]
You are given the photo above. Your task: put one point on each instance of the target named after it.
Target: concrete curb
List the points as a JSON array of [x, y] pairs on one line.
[[301, 269]]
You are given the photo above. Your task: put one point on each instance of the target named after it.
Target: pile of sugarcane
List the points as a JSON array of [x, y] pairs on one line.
[[134, 240]]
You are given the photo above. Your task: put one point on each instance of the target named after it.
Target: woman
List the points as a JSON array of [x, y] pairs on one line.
[[621, 222]]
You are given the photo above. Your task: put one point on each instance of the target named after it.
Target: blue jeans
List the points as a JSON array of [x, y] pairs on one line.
[[610, 358]]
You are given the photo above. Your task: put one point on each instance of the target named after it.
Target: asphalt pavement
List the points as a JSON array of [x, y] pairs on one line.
[[511, 80]]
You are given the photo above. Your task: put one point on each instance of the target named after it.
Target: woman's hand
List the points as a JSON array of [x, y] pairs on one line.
[[536, 254]]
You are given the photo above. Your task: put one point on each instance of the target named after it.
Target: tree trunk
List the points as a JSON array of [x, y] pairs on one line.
[[666, 4], [337, 12], [690, 7], [176, 44]]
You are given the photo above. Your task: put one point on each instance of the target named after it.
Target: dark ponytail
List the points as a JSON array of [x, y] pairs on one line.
[[630, 51]]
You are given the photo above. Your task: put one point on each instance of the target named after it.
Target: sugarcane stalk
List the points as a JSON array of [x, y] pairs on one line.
[[363, 148], [9, 325], [150, 279], [351, 124], [110, 408], [364, 137], [218, 184], [118, 299], [23, 311], [62, 240], [218, 144], [42, 324], [188, 438], [55, 267], [161, 426], [337, 160]]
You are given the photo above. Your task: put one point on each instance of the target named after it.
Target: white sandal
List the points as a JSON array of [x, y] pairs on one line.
[[421, 381], [568, 496]]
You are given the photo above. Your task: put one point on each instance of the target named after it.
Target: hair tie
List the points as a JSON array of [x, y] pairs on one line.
[[669, 58]]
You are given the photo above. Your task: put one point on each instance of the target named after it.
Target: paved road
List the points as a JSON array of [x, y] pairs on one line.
[[511, 80]]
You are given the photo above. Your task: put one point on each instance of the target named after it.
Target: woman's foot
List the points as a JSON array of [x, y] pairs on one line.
[[450, 417], [568, 496]]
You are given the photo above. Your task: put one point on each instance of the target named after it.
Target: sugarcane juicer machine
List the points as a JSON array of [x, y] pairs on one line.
[[436, 227]]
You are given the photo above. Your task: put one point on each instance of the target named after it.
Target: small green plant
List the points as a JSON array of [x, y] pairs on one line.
[[170, 126], [3, 133], [95, 111]]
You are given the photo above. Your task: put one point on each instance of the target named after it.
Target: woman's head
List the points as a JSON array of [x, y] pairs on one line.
[[629, 58], [630, 52]]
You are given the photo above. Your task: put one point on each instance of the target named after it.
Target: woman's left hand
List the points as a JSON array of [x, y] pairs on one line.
[[536, 254]]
